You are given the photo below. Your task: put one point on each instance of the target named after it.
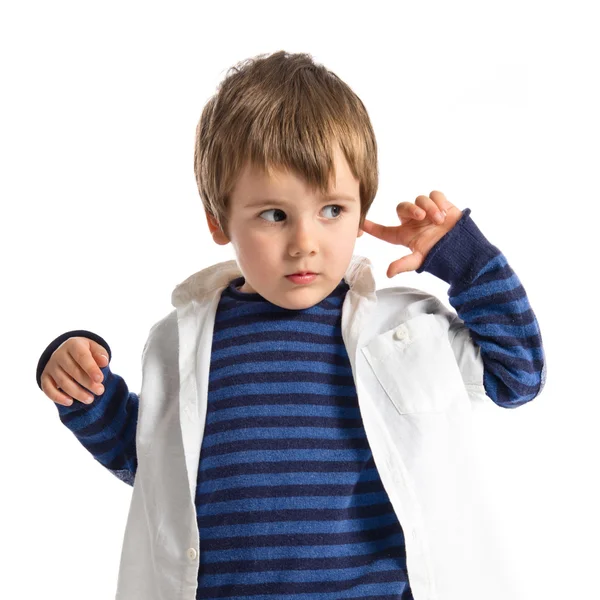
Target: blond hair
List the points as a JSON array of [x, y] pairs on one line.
[[282, 111]]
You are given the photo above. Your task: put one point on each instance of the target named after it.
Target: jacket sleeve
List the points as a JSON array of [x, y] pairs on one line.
[[495, 335], [107, 426]]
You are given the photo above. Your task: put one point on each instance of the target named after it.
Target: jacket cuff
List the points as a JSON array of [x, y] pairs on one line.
[[54, 344], [457, 256]]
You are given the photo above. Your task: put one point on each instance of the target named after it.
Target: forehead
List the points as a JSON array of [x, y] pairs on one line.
[[253, 180]]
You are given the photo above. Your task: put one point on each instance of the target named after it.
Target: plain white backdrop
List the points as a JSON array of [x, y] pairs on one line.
[[496, 105]]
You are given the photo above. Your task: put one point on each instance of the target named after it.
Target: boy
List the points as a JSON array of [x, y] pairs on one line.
[[299, 433]]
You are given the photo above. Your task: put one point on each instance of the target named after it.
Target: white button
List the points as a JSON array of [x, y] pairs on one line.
[[401, 333], [192, 553]]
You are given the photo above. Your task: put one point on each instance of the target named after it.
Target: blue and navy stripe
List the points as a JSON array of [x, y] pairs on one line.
[[289, 501], [489, 297]]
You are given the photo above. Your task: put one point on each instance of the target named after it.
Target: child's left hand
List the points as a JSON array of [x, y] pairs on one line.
[[420, 230]]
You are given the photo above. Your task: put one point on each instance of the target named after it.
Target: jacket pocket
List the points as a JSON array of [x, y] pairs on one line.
[[415, 364]]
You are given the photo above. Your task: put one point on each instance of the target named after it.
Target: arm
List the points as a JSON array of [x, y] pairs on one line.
[[495, 333], [107, 426]]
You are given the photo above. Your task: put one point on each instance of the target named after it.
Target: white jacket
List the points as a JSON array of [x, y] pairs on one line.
[[418, 375]]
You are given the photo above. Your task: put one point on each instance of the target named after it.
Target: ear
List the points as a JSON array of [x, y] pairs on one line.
[[218, 236], [360, 229]]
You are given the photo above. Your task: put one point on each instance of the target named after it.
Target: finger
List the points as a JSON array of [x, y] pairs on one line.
[[440, 199], [71, 363], [99, 353], [86, 353], [383, 232], [410, 262], [433, 211], [443, 204], [408, 210], [50, 388], [65, 382]]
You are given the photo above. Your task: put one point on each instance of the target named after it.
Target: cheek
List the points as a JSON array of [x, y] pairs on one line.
[[255, 247], [255, 242], [347, 240]]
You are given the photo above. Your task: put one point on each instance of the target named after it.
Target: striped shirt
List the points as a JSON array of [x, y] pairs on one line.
[[288, 500]]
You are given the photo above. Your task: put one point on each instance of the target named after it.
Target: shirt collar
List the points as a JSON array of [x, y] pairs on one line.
[[358, 276]]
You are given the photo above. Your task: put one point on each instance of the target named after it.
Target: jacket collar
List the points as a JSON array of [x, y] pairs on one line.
[[359, 277]]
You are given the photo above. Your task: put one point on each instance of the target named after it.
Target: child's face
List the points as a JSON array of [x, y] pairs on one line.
[[288, 229]]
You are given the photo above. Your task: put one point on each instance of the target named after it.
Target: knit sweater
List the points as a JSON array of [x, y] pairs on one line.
[[288, 500]]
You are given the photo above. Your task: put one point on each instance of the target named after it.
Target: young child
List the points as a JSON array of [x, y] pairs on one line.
[[306, 435]]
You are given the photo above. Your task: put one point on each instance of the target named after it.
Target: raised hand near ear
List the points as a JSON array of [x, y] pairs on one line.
[[423, 224]]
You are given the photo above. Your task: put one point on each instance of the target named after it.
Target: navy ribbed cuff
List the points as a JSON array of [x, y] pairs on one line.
[[457, 257]]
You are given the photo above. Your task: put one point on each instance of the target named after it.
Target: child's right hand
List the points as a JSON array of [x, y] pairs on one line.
[[74, 367]]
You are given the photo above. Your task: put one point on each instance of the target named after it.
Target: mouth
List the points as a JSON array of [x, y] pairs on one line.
[[302, 277]]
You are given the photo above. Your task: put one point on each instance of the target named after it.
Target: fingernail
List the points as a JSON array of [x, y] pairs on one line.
[[439, 217], [98, 377]]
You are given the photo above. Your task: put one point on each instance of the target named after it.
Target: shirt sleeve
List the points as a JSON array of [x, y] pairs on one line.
[[107, 426], [493, 312]]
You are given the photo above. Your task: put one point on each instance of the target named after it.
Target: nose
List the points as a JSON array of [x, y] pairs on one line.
[[303, 238]]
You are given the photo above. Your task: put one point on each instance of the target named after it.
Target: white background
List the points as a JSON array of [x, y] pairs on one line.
[[494, 104]]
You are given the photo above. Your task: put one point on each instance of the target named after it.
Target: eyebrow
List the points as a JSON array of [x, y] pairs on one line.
[[328, 197]]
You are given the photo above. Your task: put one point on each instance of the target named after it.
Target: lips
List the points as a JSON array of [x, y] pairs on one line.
[[302, 273]]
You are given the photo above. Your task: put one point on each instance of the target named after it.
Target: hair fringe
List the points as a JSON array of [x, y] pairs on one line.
[[282, 111]]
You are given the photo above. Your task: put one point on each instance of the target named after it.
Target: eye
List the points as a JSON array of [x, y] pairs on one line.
[[277, 210], [340, 210]]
